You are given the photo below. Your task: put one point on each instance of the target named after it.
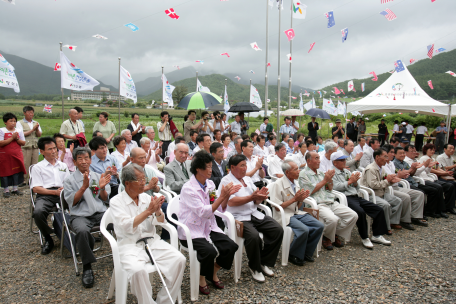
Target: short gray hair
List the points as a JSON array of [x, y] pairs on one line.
[[330, 146], [236, 139], [124, 131], [278, 146], [129, 173], [144, 140], [80, 151], [286, 164], [150, 128]]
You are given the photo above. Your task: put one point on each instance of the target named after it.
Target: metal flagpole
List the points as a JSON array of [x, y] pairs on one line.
[[63, 109], [162, 88], [119, 97], [197, 81], [448, 123], [278, 77], [267, 49], [291, 54], [250, 96]]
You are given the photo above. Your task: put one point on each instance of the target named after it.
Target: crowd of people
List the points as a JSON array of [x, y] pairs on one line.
[[218, 167]]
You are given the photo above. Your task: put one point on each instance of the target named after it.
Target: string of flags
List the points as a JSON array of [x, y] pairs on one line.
[[389, 15], [375, 76], [98, 36], [344, 34], [255, 46], [225, 54], [170, 12], [71, 47], [290, 34]]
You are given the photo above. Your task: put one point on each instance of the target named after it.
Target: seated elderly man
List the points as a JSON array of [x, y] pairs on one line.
[[260, 149], [361, 146], [353, 160], [378, 180], [177, 172], [307, 230], [254, 164], [104, 163], [325, 158], [196, 211], [262, 253], [86, 207], [412, 200], [338, 219], [47, 182], [218, 164], [340, 143], [135, 215], [151, 135], [368, 155], [347, 183], [152, 155], [275, 164], [131, 144], [300, 157], [446, 159], [177, 140]]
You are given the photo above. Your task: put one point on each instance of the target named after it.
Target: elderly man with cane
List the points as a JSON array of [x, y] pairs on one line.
[[135, 216]]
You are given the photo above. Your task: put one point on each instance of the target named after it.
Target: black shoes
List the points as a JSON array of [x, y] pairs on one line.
[[444, 215], [419, 222], [47, 247], [451, 211], [22, 185], [308, 258], [295, 260], [407, 226], [433, 215], [17, 192], [87, 278], [6, 194]]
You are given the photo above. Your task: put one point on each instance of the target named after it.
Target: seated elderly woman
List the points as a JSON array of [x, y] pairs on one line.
[[135, 216], [153, 156], [122, 156], [197, 206]]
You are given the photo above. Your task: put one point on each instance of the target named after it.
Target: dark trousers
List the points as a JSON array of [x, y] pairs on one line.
[[221, 250], [43, 206], [307, 233], [434, 192], [75, 142], [419, 141], [352, 136], [382, 139], [439, 142], [449, 204], [114, 191], [363, 208], [262, 252], [85, 242], [164, 148]]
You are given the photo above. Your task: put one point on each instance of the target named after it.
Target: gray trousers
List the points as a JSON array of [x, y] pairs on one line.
[[85, 242], [392, 207], [43, 206], [416, 206]]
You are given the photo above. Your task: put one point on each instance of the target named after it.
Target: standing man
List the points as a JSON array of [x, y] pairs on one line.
[[295, 125], [191, 125], [287, 128], [32, 131], [409, 131], [164, 132], [419, 137], [80, 114], [338, 130], [236, 125], [440, 140], [72, 127], [263, 127], [396, 131], [313, 128], [217, 122], [351, 134], [136, 129], [382, 131], [244, 124], [226, 125]]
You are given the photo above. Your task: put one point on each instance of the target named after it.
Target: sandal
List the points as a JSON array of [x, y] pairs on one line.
[[218, 284], [204, 290]]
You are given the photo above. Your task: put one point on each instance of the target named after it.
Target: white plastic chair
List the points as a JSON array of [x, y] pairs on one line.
[[173, 208], [168, 189], [273, 178], [119, 280]]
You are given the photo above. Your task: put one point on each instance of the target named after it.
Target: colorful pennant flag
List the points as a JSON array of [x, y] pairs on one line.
[[430, 49], [440, 50], [132, 27], [319, 92], [57, 67], [342, 91], [254, 46], [225, 54], [399, 66], [251, 71], [127, 86], [269, 64], [99, 37], [289, 57], [412, 60], [362, 87], [299, 9], [344, 34], [47, 108], [311, 47], [71, 47], [176, 66], [238, 78], [290, 34], [200, 61], [351, 87], [385, 1], [336, 91], [389, 15], [451, 73], [430, 84], [170, 12], [330, 16], [375, 76]]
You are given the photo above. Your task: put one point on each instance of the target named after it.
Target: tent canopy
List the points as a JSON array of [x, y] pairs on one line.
[[400, 93]]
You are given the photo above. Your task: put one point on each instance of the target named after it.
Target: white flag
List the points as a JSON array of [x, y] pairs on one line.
[[350, 85], [314, 104], [200, 87], [329, 107], [340, 108], [308, 105], [167, 91], [73, 78], [299, 9], [7, 76], [255, 97], [127, 86], [301, 104], [226, 105]]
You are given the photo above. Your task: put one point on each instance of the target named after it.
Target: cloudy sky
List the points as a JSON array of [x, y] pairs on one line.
[[33, 29]]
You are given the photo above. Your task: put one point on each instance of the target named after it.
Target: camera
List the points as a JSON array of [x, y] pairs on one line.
[[217, 117], [170, 118]]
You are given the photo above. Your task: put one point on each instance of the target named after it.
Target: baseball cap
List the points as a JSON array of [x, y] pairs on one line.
[[339, 155], [404, 123], [338, 120], [405, 140]]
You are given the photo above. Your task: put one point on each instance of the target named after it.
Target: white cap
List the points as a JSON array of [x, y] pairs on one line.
[[339, 155]]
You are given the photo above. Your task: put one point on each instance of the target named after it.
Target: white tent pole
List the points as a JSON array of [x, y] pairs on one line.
[[448, 123]]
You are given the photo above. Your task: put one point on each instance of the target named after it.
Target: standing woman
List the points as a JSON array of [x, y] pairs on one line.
[[11, 157], [197, 206], [106, 128]]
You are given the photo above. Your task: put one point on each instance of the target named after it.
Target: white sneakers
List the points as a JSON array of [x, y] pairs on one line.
[[257, 276], [267, 271], [380, 240], [367, 243]]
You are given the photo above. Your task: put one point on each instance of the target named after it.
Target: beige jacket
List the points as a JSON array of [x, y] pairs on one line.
[[281, 191], [373, 180]]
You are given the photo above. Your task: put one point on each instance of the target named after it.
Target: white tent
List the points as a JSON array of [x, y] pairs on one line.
[[400, 93]]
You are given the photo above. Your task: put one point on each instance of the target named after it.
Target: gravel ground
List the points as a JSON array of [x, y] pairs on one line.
[[419, 267]]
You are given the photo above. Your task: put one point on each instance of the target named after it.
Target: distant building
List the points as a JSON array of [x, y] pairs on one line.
[[96, 95]]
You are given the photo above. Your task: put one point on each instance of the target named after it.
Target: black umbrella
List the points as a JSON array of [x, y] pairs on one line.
[[318, 113], [244, 107]]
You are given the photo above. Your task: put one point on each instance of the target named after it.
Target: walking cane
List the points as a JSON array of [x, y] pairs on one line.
[[152, 260]]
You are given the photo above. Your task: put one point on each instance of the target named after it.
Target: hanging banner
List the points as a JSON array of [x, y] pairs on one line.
[[255, 97], [127, 86], [167, 91], [73, 78]]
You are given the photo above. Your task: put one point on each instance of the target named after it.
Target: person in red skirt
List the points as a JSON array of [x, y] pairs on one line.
[[11, 157]]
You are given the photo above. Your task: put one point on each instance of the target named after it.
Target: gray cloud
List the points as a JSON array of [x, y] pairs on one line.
[[32, 29]]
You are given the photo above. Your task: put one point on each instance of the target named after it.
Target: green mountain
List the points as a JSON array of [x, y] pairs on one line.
[[423, 70], [36, 78], [236, 91]]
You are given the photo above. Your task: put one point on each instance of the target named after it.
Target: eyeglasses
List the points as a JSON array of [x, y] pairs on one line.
[[141, 181]]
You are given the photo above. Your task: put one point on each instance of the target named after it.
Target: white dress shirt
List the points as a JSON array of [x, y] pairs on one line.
[[395, 128], [325, 164], [299, 159], [410, 129], [420, 172], [421, 130], [358, 149], [251, 163], [121, 158], [260, 152], [46, 175], [275, 166], [131, 146], [390, 168], [445, 160], [246, 211]]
